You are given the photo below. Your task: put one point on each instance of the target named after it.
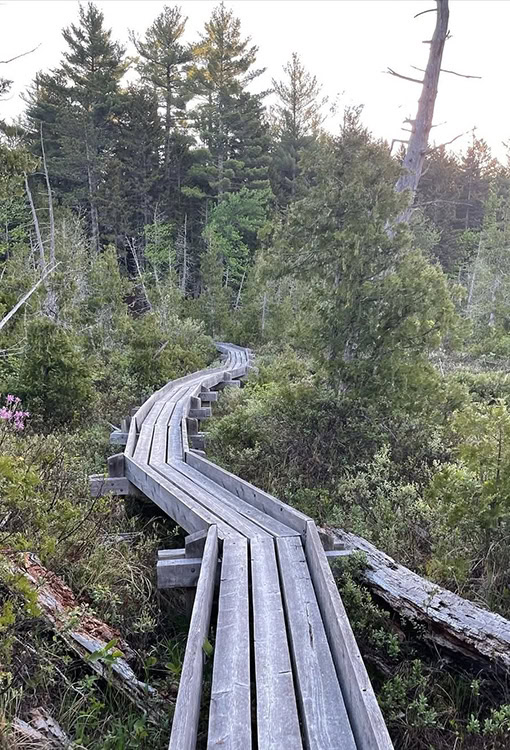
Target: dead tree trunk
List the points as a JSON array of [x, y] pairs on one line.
[[451, 622], [421, 126]]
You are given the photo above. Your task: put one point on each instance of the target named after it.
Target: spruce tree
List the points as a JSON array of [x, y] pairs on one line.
[[224, 111], [296, 119], [79, 101], [162, 65]]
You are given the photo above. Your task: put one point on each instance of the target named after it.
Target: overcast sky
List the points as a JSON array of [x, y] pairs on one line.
[[347, 43]]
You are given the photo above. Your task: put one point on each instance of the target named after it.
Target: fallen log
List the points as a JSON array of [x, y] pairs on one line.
[[93, 640], [450, 621], [42, 732]]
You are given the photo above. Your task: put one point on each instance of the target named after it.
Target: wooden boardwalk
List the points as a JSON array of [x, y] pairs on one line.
[[287, 673]]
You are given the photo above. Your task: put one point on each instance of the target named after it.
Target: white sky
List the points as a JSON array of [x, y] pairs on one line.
[[346, 43]]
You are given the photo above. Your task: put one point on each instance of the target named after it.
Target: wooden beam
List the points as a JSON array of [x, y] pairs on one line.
[[187, 709], [230, 708], [277, 715], [251, 494], [323, 715], [117, 437], [205, 412], [177, 573], [364, 713]]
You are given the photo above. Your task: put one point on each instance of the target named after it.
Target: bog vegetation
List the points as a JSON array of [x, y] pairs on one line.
[[181, 208]]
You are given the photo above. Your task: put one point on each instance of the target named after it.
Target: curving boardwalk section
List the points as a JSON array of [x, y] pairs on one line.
[[287, 673]]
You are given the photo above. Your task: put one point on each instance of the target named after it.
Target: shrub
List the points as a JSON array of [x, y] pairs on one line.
[[54, 379]]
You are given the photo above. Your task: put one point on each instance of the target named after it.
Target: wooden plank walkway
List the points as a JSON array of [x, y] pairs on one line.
[[287, 673]]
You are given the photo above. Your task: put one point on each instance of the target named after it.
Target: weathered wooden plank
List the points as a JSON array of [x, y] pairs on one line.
[[171, 554], [197, 441], [208, 396], [364, 713], [160, 438], [173, 501], [277, 716], [131, 441], [117, 437], [234, 519], [251, 494], [116, 465], [187, 709], [100, 485], [178, 573], [144, 443], [230, 711], [269, 524], [323, 715], [205, 412]]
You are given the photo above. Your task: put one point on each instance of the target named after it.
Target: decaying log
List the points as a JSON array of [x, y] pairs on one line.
[[58, 607], [451, 622], [42, 732]]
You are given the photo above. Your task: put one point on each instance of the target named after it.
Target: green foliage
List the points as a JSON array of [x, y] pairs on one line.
[[377, 308], [54, 380], [157, 355]]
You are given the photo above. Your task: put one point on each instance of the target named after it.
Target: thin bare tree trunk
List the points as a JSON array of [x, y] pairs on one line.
[[40, 245], [132, 247], [420, 127], [238, 298], [50, 202], [184, 255], [264, 303], [25, 297]]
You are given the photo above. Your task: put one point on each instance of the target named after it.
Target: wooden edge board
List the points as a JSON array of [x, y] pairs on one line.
[[173, 501], [365, 716], [277, 715], [187, 708], [251, 494], [234, 519], [323, 715], [267, 523], [230, 707]]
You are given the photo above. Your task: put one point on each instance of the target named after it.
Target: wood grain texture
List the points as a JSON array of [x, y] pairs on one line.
[[450, 621], [364, 713], [187, 709], [251, 494], [267, 523], [177, 573], [277, 716], [323, 714], [230, 708]]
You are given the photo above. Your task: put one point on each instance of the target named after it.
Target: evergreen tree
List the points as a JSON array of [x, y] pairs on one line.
[[162, 64], [296, 118], [375, 306], [225, 112], [79, 101]]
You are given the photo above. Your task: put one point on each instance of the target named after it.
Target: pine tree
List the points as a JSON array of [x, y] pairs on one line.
[[297, 118], [79, 102], [222, 68], [162, 64]]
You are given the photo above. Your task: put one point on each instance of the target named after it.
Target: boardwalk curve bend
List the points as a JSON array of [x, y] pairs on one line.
[[287, 673]]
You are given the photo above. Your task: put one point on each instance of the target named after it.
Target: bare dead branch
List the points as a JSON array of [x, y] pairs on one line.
[[447, 143], [391, 72], [422, 12], [453, 72], [25, 297], [17, 57]]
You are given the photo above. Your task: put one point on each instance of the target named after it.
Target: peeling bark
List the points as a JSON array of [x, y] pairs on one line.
[[450, 621], [58, 604]]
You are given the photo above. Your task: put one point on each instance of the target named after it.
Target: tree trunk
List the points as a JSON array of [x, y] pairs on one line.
[[450, 621], [419, 138]]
